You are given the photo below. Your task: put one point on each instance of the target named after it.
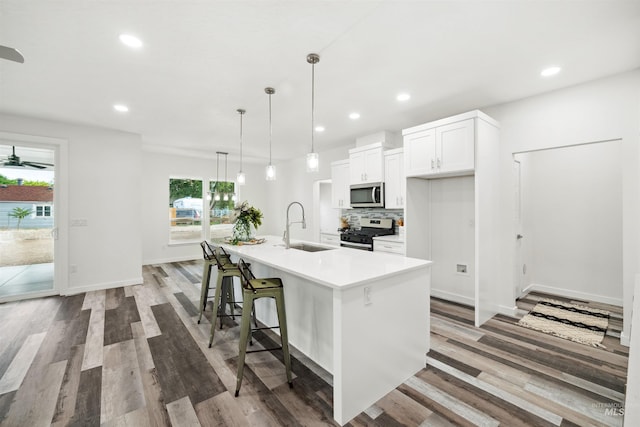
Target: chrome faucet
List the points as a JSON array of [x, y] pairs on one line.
[[286, 237]]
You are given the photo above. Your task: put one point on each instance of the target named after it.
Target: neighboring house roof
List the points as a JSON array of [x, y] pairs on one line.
[[25, 193]]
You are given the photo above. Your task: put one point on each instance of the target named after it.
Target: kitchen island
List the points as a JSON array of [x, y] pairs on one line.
[[362, 316]]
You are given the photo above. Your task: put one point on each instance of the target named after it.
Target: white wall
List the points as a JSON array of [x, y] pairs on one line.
[[601, 110], [157, 168], [103, 188], [453, 238], [572, 220]]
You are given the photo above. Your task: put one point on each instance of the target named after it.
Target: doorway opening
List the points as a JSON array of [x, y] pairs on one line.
[[568, 222], [27, 220]]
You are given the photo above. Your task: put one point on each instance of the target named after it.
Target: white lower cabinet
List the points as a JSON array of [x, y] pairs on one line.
[[388, 246], [330, 239]]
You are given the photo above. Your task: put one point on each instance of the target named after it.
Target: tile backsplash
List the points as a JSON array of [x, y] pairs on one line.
[[353, 215]]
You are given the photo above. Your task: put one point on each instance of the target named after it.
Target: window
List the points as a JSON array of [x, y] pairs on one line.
[[43, 211], [221, 203], [185, 210]]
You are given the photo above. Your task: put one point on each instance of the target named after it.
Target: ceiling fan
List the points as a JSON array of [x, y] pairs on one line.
[[14, 161], [11, 54]]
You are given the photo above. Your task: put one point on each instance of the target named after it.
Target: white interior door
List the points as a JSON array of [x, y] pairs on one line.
[[520, 269]]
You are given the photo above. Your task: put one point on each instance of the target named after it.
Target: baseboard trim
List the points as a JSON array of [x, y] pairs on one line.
[[508, 311], [569, 293], [460, 299], [169, 260], [100, 286]]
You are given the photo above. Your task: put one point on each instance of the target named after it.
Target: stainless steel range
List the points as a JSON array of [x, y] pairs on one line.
[[362, 238]]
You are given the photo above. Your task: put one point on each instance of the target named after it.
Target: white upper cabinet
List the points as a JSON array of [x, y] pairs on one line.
[[442, 148], [455, 147], [367, 164], [394, 179], [340, 190], [420, 152]]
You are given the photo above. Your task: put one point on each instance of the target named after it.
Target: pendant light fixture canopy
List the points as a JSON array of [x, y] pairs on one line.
[[312, 157], [271, 169], [241, 178]]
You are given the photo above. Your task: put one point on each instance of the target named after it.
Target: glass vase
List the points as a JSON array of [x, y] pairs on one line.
[[242, 231]]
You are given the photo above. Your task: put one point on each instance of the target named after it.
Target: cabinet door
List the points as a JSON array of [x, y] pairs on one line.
[[373, 165], [420, 153], [394, 181], [455, 147], [357, 167], [340, 185]]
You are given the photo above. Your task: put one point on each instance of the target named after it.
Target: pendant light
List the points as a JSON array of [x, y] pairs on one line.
[[216, 195], [312, 157], [271, 169], [241, 177], [226, 195]]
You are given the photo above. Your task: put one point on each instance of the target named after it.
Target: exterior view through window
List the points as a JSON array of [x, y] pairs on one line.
[[221, 203], [187, 215], [185, 209]]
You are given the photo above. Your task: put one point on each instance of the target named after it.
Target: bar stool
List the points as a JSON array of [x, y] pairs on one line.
[[224, 293], [253, 289], [210, 260]]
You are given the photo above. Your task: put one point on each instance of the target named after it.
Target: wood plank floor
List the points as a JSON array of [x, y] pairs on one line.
[[136, 356]]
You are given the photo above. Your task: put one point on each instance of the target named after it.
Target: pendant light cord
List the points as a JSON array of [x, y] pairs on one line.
[[270, 129], [241, 114], [313, 67]]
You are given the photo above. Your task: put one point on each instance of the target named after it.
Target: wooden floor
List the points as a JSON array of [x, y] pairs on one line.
[[136, 356]]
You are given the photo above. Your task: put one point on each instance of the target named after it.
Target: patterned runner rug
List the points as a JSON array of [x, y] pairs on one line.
[[573, 322]]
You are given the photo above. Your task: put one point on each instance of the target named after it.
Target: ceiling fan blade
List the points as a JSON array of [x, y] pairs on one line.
[[11, 54], [35, 165], [38, 163]]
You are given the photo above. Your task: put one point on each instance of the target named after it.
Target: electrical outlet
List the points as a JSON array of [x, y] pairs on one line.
[[367, 295], [461, 268]]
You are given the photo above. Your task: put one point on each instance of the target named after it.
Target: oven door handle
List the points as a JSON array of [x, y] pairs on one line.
[[354, 245]]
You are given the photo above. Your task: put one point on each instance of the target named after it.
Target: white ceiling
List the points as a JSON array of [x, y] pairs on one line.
[[202, 60]]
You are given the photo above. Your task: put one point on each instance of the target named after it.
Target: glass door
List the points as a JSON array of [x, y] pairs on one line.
[[27, 226]]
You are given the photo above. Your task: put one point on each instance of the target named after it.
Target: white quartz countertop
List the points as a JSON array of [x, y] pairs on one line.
[[338, 268], [391, 238]]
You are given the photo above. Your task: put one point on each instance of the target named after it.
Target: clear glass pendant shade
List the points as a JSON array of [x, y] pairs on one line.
[[241, 178], [270, 173], [312, 162]]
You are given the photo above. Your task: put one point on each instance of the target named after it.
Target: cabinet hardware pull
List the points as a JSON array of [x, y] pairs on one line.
[[438, 163], [433, 165]]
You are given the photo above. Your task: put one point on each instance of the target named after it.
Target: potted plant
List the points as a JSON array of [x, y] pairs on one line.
[[246, 218]]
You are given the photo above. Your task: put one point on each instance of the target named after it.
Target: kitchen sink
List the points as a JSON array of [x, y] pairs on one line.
[[308, 247]]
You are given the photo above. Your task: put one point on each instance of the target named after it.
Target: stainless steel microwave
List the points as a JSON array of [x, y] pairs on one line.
[[367, 195]]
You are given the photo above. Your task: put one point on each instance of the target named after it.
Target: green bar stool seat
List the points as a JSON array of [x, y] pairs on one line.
[[253, 289]]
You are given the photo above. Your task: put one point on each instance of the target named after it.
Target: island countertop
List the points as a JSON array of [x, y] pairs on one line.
[[338, 268]]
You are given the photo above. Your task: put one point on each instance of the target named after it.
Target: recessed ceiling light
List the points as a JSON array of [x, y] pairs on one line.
[[550, 71], [319, 128], [403, 97], [131, 41], [121, 108], [354, 116]]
